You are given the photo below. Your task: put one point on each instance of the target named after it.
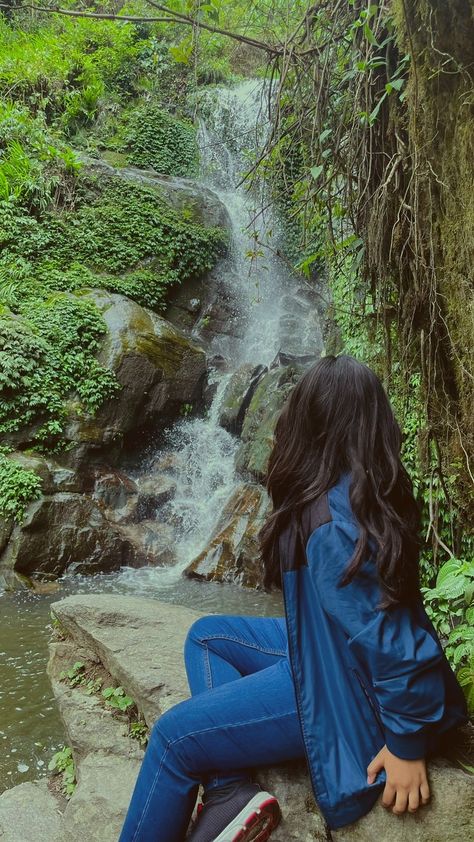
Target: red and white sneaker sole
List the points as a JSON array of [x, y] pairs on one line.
[[255, 822]]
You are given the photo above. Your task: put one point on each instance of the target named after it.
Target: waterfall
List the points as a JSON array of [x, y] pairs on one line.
[[196, 453], [272, 316], [232, 126]]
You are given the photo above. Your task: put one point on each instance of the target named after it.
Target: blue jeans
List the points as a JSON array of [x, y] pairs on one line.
[[242, 714]]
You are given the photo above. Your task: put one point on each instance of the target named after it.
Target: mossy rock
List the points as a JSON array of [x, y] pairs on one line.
[[238, 395], [158, 368], [232, 554], [261, 417]]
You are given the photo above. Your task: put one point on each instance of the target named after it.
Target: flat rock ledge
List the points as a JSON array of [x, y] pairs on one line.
[[139, 642]]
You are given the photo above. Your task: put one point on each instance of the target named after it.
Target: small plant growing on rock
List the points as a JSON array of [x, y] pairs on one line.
[[74, 675], [139, 731], [115, 697], [59, 631], [93, 686], [62, 762]]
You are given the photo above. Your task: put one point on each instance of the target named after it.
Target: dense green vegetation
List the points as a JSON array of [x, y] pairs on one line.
[[371, 194], [63, 229]]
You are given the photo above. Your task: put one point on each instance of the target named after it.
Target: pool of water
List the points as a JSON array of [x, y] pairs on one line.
[[31, 729]]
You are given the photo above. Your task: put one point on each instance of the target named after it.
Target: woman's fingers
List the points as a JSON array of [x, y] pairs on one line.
[[405, 800], [425, 792], [375, 767], [413, 800], [388, 796], [401, 802]]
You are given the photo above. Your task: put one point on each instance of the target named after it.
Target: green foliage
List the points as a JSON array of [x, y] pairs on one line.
[[74, 675], [63, 67], [115, 697], [139, 731], [62, 763], [151, 137], [18, 487], [124, 224], [450, 604], [116, 226], [60, 233], [48, 344], [36, 167]]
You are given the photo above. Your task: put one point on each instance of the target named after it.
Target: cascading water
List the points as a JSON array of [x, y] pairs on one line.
[[271, 313], [232, 127], [264, 293]]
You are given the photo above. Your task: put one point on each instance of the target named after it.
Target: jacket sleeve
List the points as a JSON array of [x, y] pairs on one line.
[[398, 655]]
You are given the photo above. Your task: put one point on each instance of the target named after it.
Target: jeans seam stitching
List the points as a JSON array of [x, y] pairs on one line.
[[150, 794], [265, 650], [235, 725], [207, 661]]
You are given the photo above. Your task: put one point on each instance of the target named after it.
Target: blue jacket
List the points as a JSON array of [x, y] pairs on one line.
[[363, 677]]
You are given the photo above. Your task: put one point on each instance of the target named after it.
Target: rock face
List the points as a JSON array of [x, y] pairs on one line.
[[105, 521], [140, 643], [208, 307], [60, 530], [237, 396], [232, 553], [159, 369], [29, 812], [257, 431]]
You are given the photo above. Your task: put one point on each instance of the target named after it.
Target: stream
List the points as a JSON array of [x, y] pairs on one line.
[[274, 314]]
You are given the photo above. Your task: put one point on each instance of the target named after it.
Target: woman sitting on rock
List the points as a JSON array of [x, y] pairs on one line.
[[353, 678]]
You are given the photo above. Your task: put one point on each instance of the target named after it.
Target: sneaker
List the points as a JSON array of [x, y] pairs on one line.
[[245, 814]]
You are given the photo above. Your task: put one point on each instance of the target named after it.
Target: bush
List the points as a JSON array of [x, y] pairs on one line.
[[36, 167], [18, 487], [151, 137], [47, 351]]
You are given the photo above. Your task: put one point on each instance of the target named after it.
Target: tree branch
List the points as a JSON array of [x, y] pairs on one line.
[[171, 17]]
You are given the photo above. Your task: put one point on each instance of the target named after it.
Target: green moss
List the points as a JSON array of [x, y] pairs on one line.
[[120, 236], [18, 487], [47, 348], [148, 136]]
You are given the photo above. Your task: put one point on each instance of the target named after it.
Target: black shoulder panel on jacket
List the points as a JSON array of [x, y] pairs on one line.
[[295, 536]]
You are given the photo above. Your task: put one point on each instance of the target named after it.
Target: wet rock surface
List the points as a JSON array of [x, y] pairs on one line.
[[232, 554], [140, 643], [237, 396], [158, 368], [260, 419], [61, 530]]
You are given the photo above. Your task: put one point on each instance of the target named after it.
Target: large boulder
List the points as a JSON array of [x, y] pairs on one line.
[[260, 419], [95, 518], [63, 530], [237, 396], [183, 194], [124, 635], [30, 812], [158, 368], [232, 554]]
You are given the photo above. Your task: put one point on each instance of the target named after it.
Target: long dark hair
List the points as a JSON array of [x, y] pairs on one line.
[[338, 419]]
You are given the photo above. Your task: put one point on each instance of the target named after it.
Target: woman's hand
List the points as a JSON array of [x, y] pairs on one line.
[[406, 786]]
